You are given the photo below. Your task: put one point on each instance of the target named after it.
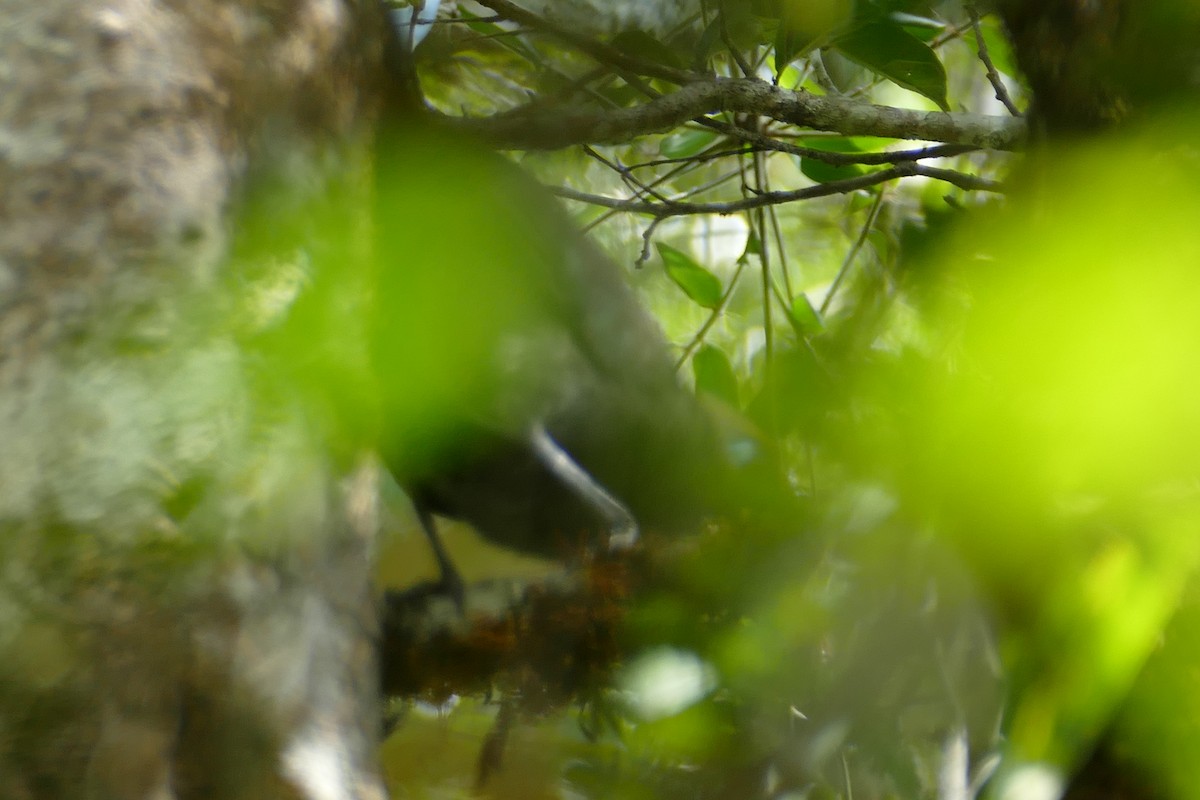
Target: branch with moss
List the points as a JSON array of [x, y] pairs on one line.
[[558, 633]]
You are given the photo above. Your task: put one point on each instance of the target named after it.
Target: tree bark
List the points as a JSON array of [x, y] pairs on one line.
[[184, 599]]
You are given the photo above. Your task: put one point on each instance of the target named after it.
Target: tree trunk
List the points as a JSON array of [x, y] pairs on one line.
[[185, 528]]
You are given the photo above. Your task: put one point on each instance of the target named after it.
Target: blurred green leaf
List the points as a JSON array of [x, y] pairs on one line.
[[640, 44], [789, 44], [1063, 459], [698, 283], [620, 94], [714, 374], [892, 52], [708, 42], [805, 24], [804, 317]]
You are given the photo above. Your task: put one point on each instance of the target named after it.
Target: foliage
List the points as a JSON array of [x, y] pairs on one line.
[[985, 406]]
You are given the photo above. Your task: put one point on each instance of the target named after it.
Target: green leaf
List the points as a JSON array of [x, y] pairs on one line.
[[822, 171], [687, 142], [805, 26], [737, 23], [888, 50], [707, 43], [804, 317], [714, 374], [789, 44], [697, 283]]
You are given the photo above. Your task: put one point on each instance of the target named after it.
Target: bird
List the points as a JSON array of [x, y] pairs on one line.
[[525, 390]]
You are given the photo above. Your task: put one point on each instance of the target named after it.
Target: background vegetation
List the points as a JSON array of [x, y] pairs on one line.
[[965, 333]]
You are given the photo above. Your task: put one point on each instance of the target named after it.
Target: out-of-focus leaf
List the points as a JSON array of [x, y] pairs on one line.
[[709, 40], [697, 282], [644, 46], [621, 94], [804, 317], [796, 395], [846, 75], [805, 24], [788, 45], [740, 24], [687, 142], [1064, 458], [714, 374], [892, 52]]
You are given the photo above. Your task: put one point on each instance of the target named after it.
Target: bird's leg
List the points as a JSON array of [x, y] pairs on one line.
[[623, 529], [451, 582]]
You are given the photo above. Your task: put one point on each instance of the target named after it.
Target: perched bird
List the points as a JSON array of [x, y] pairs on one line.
[[525, 389]]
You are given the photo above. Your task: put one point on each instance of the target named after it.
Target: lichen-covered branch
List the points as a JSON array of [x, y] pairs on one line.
[[537, 128]]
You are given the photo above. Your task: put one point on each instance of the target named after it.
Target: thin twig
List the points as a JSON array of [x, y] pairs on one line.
[[836, 159], [647, 237], [992, 75], [853, 252], [682, 169], [764, 256], [970, 183], [676, 209], [734, 53], [639, 188]]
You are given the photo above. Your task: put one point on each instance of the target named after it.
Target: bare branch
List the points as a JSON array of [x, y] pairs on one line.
[[971, 183], [992, 75], [663, 210]]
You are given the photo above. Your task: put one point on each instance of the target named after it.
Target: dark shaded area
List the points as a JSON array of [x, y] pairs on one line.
[[1094, 63]]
